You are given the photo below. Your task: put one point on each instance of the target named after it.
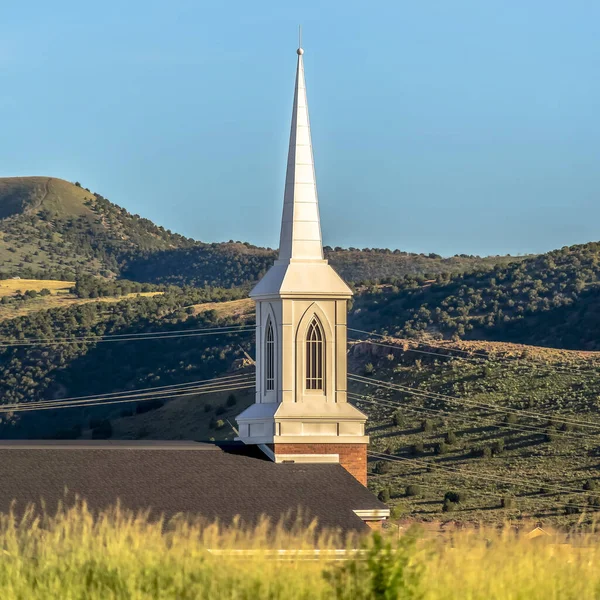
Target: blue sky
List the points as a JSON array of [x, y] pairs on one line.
[[449, 127]]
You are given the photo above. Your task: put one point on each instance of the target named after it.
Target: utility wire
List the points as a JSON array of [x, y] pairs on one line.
[[204, 390], [149, 389], [521, 427], [470, 353], [146, 396], [380, 456], [555, 369], [482, 477], [130, 338], [435, 395]]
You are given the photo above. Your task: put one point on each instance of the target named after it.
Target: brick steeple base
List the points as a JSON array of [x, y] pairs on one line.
[[353, 457]]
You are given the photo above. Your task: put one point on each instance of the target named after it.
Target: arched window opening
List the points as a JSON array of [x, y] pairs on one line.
[[315, 356], [269, 358]]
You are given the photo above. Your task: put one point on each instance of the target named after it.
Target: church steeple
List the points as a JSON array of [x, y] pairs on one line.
[[301, 412], [300, 228]]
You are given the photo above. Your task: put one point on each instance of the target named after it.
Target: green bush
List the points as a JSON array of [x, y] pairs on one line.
[[456, 497], [231, 400], [451, 438], [414, 489], [427, 426], [382, 467], [418, 448], [511, 419], [442, 448], [385, 570], [498, 447], [369, 369], [398, 419], [590, 485], [384, 495], [449, 506], [571, 508]]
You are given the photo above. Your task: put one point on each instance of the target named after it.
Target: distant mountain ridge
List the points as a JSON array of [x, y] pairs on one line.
[[58, 229]]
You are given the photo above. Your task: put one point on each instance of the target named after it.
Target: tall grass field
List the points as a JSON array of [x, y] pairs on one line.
[[117, 555]]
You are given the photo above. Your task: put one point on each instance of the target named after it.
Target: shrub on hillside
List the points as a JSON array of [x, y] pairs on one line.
[[572, 508], [456, 497], [382, 467], [451, 438], [384, 495], [418, 448], [442, 448], [498, 447], [414, 489], [398, 419], [427, 426], [449, 506], [231, 400], [590, 485]]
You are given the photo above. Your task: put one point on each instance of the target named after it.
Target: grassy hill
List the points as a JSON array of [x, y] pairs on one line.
[[470, 430], [548, 300], [53, 229]]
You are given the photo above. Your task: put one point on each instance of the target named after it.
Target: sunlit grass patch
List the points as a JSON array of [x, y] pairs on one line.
[[118, 554]]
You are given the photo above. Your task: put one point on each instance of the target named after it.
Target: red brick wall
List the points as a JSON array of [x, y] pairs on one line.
[[353, 457]]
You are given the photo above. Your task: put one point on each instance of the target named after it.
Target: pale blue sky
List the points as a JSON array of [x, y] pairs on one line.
[[464, 126]]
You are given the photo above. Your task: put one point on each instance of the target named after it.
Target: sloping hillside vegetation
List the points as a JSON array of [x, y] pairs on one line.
[[548, 300], [52, 229], [482, 436], [35, 364]]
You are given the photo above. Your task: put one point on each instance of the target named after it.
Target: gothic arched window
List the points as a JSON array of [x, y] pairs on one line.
[[315, 356], [269, 358]]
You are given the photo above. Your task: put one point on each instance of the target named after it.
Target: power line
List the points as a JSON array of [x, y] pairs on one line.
[[555, 369], [380, 456], [521, 427], [471, 353], [436, 395], [137, 392], [149, 389], [204, 390], [482, 477], [129, 338]]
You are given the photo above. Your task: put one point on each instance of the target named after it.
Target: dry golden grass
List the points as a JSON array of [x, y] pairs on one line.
[[9, 287], [243, 308], [119, 555], [60, 296]]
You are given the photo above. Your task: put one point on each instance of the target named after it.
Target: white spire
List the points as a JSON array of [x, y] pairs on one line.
[[300, 228]]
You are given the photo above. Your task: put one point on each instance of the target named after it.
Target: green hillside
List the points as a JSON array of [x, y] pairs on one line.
[[52, 229], [490, 427], [548, 300]]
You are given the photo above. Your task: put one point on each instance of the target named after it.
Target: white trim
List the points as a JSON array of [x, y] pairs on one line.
[[307, 458], [378, 514]]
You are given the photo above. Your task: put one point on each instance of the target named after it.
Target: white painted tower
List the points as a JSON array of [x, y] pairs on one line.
[[301, 412]]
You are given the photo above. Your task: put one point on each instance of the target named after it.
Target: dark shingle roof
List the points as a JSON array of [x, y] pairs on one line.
[[214, 481]]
